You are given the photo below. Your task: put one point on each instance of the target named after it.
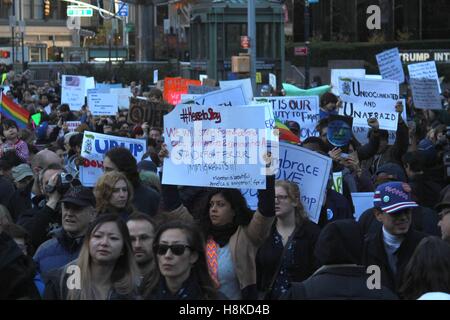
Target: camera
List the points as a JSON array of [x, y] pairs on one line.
[[63, 183]]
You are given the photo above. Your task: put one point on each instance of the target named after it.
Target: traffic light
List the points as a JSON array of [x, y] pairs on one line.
[[4, 54], [46, 8]]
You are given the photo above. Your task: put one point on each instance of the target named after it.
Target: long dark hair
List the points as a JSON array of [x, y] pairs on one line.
[[428, 270], [238, 204], [125, 163], [197, 243]]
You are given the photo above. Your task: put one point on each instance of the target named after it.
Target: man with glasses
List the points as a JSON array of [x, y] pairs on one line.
[[395, 241]]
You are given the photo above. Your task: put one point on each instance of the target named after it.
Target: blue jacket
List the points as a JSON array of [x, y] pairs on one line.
[[57, 252]]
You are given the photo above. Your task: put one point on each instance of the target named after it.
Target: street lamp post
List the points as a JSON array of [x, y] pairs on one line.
[[251, 29], [307, 44]]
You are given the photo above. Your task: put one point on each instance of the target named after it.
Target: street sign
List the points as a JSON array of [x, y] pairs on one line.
[[245, 42], [300, 51], [123, 9], [78, 11]]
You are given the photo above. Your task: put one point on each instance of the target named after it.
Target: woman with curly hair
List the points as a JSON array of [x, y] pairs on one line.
[[114, 194]]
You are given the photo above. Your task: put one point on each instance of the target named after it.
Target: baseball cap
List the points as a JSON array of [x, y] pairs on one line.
[[391, 197], [21, 171], [79, 196]]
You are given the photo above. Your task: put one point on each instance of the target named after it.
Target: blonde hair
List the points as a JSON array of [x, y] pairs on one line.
[[125, 275], [293, 192], [104, 189]]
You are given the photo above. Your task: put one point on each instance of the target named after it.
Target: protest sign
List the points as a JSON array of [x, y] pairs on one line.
[[175, 87], [93, 150], [273, 81], [425, 93], [202, 77], [201, 89], [108, 86], [246, 87], [310, 171], [74, 90], [123, 97], [210, 146], [233, 96], [189, 97], [292, 90], [303, 109], [390, 65], [72, 125], [339, 130], [102, 103], [155, 76], [345, 73], [147, 111], [337, 182], [362, 201], [251, 196], [364, 99], [373, 76], [425, 70]]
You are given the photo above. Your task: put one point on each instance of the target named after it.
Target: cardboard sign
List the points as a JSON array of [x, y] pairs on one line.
[[310, 171], [425, 94], [102, 103], [362, 201], [345, 73], [246, 86], [225, 97], [207, 150], [425, 70], [145, 111], [364, 99], [390, 65], [302, 109], [175, 87]]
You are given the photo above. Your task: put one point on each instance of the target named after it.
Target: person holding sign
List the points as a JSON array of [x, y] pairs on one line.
[[287, 255]]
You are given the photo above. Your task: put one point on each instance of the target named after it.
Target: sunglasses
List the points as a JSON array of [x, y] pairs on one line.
[[176, 249]]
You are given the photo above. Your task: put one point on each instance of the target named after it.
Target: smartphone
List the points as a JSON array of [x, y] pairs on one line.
[[344, 155]]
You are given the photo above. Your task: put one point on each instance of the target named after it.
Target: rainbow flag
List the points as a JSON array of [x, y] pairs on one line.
[[285, 133], [11, 110]]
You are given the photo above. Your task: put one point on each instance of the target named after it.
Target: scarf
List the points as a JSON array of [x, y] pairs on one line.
[[222, 234]]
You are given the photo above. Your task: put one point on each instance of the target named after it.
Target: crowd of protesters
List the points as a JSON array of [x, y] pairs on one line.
[[130, 237]]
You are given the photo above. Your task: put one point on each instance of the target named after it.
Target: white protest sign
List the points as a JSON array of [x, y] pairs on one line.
[[273, 81], [390, 65], [346, 73], [425, 70], [364, 99], [310, 171], [48, 109], [226, 97], [155, 76], [202, 77], [210, 146], [425, 93], [337, 182], [373, 77], [93, 150], [189, 97], [302, 109], [251, 196], [123, 97], [72, 125], [89, 84], [73, 91], [362, 201], [102, 103], [246, 86]]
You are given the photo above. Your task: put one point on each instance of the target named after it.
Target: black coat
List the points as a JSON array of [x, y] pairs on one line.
[[303, 264], [146, 200], [338, 282], [374, 253], [338, 206], [16, 272]]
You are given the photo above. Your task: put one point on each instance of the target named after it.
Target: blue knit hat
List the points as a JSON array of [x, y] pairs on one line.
[[391, 197]]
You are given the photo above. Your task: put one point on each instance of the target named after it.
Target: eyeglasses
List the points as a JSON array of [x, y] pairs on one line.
[[281, 197], [176, 249]]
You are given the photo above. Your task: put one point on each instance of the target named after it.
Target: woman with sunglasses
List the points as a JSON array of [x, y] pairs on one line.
[[105, 269], [288, 254], [179, 249]]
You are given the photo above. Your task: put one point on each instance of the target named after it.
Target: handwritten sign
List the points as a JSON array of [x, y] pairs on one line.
[[145, 111], [246, 87], [425, 93], [364, 99], [425, 70], [74, 90], [175, 87], [310, 171], [390, 65], [207, 150], [345, 73], [102, 103]]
